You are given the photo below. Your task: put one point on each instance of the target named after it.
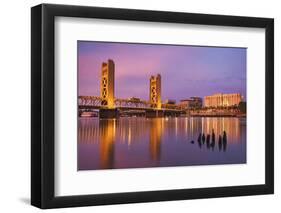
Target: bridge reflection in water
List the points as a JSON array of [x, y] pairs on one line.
[[151, 142]]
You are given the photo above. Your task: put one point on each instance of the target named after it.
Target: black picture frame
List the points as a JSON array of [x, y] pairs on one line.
[[43, 102]]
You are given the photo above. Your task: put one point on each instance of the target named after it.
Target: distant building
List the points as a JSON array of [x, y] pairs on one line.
[[192, 102], [134, 99], [170, 101], [222, 100], [155, 91]]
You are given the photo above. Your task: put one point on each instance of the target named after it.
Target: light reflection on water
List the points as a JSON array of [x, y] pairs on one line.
[[156, 142]]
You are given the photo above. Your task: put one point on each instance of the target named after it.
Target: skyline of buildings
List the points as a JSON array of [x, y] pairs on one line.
[[192, 102], [186, 71], [107, 93]]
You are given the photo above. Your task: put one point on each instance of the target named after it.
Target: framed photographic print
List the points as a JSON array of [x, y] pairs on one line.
[[139, 106]]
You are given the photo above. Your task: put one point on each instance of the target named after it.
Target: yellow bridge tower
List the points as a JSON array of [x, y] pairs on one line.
[[107, 84], [155, 91]]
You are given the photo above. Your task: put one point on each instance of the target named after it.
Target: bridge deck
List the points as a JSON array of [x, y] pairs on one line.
[[131, 108], [93, 102]]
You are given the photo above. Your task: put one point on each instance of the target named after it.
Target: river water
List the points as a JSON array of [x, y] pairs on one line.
[[135, 142]]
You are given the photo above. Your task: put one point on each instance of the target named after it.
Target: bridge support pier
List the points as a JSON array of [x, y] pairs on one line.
[[108, 113], [154, 113]]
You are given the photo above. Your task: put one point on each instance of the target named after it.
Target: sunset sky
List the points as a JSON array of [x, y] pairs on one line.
[[185, 70]]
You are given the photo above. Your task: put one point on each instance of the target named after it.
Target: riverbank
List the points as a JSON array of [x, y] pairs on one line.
[[218, 115]]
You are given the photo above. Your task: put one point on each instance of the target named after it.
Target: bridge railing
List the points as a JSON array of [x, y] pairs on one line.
[[131, 103], [94, 101], [89, 101]]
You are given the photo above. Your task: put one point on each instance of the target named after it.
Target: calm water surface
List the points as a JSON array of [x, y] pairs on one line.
[[157, 142]]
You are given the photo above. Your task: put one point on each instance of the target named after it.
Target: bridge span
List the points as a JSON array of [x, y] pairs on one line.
[[127, 107], [109, 106]]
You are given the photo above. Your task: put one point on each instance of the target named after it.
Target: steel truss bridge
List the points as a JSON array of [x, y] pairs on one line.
[[94, 102]]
